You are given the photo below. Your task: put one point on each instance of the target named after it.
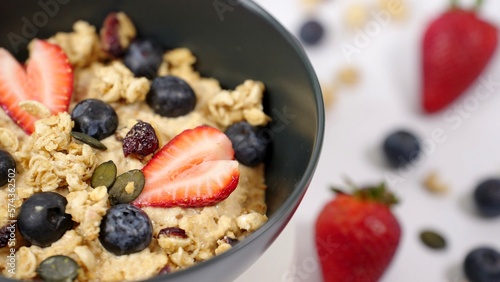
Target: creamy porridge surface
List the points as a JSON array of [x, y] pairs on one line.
[[51, 160]]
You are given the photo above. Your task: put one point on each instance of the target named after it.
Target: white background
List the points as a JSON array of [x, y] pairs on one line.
[[386, 99]]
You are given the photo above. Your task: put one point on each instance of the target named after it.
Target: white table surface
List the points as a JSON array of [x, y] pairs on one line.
[[385, 99]]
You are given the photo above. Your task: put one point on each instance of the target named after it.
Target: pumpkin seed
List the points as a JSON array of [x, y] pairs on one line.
[[91, 141], [127, 187], [58, 269], [433, 240], [104, 175]]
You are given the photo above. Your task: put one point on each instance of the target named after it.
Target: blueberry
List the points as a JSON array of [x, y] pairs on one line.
[[125, 229], [95, 118], [7, 166], [171, 96], [482, 265], [311, 32], [487, 197], [143, 58], [249, 143], [401, 148], [42, 219]]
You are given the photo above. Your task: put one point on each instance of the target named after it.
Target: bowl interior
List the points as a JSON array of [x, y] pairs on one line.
[[233, 41]]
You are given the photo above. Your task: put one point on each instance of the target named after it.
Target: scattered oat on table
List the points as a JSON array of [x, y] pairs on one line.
[[329, 91], [434, 184], [398, 9], [310, 5], [348, 76], [356, 15]]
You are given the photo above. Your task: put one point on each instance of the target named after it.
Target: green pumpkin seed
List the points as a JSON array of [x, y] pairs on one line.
[[58, 269], [91, 141], [120, 193], [104, 175], [433, 240]]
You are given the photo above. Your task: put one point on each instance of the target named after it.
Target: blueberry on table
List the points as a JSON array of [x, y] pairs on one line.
[[58, 268], [143, 58], [249, 143], [401, 148], [7, 166], [482, 265], [125, 229], [487, 197], [42, 219], [311, 32], [95, 118], [171, 96]]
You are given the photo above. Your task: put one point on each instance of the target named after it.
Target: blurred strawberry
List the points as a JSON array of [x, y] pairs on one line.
[[456, 48], [357, 235]]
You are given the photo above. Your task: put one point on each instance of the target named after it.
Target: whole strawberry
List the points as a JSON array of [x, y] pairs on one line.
[[357, 235], [456, 48]]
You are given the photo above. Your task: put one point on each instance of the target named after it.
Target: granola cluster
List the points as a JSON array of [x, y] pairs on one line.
[[242, 103], [50, 159], [115, 81]]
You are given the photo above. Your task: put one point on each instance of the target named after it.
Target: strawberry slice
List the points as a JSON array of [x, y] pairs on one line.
[[13, 82], [47, 78], [195, 169], [50, 76]]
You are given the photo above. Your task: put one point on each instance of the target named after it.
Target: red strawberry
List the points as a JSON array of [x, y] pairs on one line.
[[13, 84], [456, 48], [195, 169], [357, 236], [47, 78]]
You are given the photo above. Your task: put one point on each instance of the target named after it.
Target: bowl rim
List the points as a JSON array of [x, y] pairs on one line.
[[294, 199]]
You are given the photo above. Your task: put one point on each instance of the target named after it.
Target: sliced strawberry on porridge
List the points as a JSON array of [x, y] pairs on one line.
[[46, 78], [196, 168]]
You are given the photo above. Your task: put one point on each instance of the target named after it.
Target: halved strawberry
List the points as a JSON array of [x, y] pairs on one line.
[[13, 82], [50, 76], [195, 169], [47, 78]]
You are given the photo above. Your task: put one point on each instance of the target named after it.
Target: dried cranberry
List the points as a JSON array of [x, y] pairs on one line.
[[229, 240], [140, 141], [173, 232], [5, 234], [165, 270], [110, 40]]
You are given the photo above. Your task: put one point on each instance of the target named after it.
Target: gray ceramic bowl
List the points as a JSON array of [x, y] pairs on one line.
[[234, 40]]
